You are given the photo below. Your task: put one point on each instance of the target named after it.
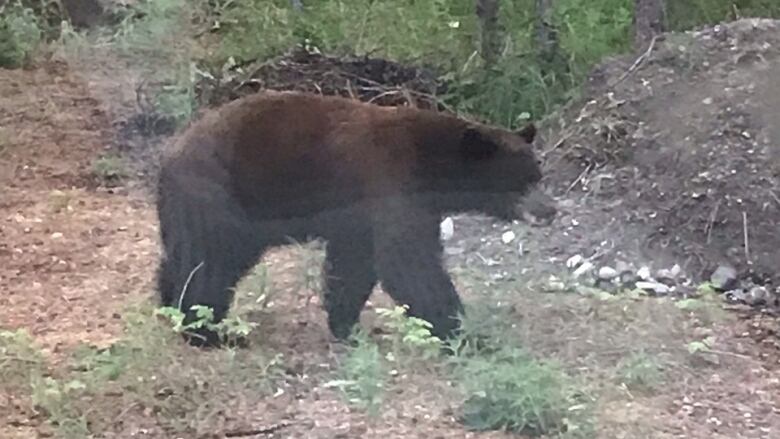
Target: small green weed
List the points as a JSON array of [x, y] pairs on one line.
[[177, 99], [230, 329], [361, 377], [56, 400], [60, 201], [700, 346], [640, 371], [109, 168], [20, 359], [410, 337], [20, 34], [706, 288]]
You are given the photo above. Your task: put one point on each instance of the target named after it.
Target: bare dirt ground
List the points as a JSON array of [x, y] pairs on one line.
[[75, 255]]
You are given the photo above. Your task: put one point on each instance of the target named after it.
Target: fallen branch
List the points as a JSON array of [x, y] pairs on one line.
[[636, 63], [258, 431]]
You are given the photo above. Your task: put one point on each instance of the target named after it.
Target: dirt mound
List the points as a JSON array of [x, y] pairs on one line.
[[687, 137], [369, 79]]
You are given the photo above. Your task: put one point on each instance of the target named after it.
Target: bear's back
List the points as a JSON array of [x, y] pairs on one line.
[[301, 152]]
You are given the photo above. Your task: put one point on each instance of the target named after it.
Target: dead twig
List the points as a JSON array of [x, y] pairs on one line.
[[14, 358], [745, 236], [566, 136], [774, 196], [577, 180], [636, 63], [187, 283], [258, 431], [711, 223]]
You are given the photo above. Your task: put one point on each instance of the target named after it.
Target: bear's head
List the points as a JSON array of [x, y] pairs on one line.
[[496, 172]]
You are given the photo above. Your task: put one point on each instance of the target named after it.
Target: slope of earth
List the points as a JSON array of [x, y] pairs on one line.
[[684, 139]]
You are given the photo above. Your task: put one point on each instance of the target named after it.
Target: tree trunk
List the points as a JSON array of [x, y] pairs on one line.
[[649, 20], [490, 34], [546, 34]]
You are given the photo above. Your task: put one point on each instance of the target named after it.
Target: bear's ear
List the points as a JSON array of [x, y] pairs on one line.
[[527, 133], [476, 145]]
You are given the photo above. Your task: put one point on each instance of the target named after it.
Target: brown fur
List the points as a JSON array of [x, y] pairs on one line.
[[372, 181]]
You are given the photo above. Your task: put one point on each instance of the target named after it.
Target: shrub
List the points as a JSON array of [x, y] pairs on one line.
[[20, 34]]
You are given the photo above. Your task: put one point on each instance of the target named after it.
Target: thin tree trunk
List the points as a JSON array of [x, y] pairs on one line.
[[546, 35], [649, 19], [490, 34]]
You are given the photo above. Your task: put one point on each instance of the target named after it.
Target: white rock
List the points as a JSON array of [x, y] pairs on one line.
[[574, 261], [447, 228], [555, 284], [508, 237], [607, 273], [644, 273], [656, 287], [582, 269], [676, 270]]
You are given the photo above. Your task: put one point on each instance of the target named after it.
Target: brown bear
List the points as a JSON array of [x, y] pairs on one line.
[[371, 181]]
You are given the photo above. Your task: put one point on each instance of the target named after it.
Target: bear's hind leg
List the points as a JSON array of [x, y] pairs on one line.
[[349, 279]]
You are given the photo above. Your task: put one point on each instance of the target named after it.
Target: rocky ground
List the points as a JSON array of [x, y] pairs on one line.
[[665, 173]]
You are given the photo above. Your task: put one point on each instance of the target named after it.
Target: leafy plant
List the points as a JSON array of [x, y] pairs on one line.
[[231, 329], [110, 168], [361, 375], [20, 34], [410, 336], [20, 358], [55, 399], [639, 371], [701, 346]]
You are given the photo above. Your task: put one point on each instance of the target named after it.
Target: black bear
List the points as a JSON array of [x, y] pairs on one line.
[[371, 181]]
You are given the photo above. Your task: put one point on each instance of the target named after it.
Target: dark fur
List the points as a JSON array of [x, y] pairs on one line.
[[372, 181]]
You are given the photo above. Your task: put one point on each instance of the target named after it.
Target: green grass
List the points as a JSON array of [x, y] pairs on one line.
[[508, 389], [109, 168], [362, 374], [20, 359], [149, 372], [439, 33], [640, 371]]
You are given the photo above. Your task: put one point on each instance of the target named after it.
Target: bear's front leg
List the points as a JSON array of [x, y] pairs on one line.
[[408, 254]]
